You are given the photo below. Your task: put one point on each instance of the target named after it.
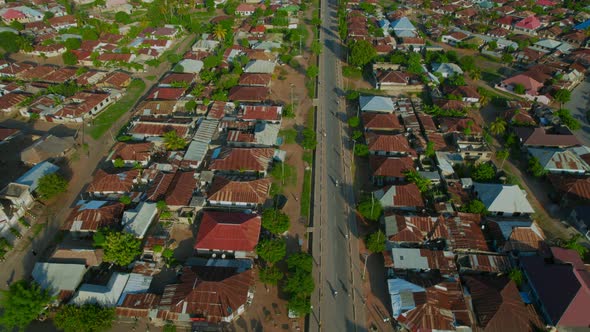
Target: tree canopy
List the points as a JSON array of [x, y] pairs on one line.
[[475, 206], [376, 241], [498, 126], [51, 185], [300, 260], [354, 121], [174, 142], [573, 243], [535, 167], [21, 304], [275, 221], [309, 141], [562, 95], [370, 208], [361, 150], [421, 182], [270, 275], [87, 318], [361, 53], [121, 248], [567, 119], [484, 172], [300, 282], [272, 250]]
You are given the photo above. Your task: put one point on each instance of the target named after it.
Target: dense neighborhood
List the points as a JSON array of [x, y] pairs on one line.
[[163, 165]]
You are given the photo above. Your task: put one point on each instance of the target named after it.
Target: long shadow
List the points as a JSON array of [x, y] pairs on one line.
[[378, 280]]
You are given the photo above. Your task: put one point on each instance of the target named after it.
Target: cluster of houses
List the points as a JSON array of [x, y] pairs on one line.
[[449, 269]]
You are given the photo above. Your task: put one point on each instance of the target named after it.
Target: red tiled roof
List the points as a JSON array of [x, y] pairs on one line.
[[465, 232], [249, 93], [228, 231], [158, 129], [381, 121], [7, 132], [211, 293], [530, 23], [166, 93], [178, 78], [526, 239], [235, 159], [390, 167], [412, 228], [93, 219], [117, 79], [12, 99], [128, 151], [539, 137], [388, 143], [253, 192], [261, 112], [176, 189], [406, 195], [61, 75], [37, 72], [458, 125], [120, 182], [137, 305]]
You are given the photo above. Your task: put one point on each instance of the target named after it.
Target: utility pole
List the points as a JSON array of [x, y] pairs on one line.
[[365, 266], [372, 203], [292, 105]]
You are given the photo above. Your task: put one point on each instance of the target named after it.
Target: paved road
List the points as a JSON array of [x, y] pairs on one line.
[[579, 104], [335, 243]]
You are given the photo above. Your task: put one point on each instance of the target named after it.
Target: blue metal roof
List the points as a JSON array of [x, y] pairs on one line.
[[583, 26], [31, 178]]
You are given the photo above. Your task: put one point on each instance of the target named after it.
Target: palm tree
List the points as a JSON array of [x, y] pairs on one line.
[[475, 74], [502, 155], [498, 126], [573, 244], [219, 32]]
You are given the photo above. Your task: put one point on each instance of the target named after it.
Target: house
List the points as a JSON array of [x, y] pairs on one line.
[[266, 113], [466, 93], [376, 104], [571, 190], [503, 200], [255, 79], [529, 85], [260, 67], [7, 134], [155, 108], [483, 263], [112, 186], [245, 9], [403, 28], [423, 259], [80, 252], [528, 25], [561, 161], [61, 280], [462, 232], [230, 233], [11, 102], [90, 216], [388, 145], [405, 229], [210, 294], [138, 220], [404, 296], [519, 236], [557, 137], [400, 197], [32, 176], [454, 38], [394, 79], [252, 94], [131, 154], [15, 199], [447, 69], [498, 305], [152, 128], [83, 105], [137, 305], [381, 122], [48, 147], [101, 294], [580, 218], [176, 189], [563, 306], [388, 170], [244, 194], [444, 309], [242, 160]]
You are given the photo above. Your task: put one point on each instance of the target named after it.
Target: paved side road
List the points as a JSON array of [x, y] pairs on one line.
[[579, 105]]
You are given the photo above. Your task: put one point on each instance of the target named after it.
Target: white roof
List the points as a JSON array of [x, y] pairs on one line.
[[106, 296], [139, 220], [191, 66], [260, 66], [57, 276], [503, 198], [449, 68], [266, 133], [376, 104]]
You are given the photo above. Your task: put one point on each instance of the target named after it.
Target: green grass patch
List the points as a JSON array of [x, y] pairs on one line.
[[352, 72], [151, 77], [289, 135], [105, 120], [491, 77], [310, 120], [37, 228], [306, 194], [308, 157]]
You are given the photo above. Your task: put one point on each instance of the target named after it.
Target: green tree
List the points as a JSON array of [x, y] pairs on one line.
[[289, 111], [484, 172], [498, 126], [376, 241], [519, 89], [275, 221], [573, 243], [190, 105], [562, 96], [122, 17], [300, 282], [121, 248], [69, 58], [356, 134], [370, 208], [270, 275], [273, 250], [309, 141], [361, 150], [173, 142], [502, 155], [507, 58], [119, 163], [21, 304], [421, 182], [219, 32], [51, 185], [429, 151], [361, 53], [475, 206], [316, 47], [516, 276], [299, 305], [354, 121], [72, 44], [300, 261], [125, 200], [87, 318], [7, 42], [535, 167], [312, 71], [467, 63], [566, 118]]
